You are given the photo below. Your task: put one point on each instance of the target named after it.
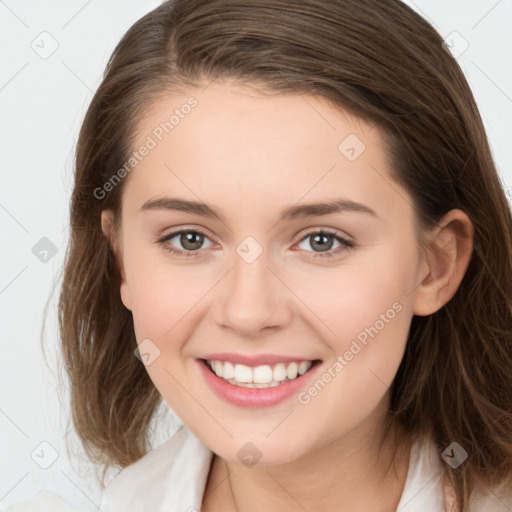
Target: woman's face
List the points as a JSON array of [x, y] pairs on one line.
[[270, 281]]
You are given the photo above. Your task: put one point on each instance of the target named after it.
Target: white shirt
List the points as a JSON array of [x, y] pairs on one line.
[[172, 478]]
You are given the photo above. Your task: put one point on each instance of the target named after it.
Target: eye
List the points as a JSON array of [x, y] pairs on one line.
[[190, 239], [322, 242]]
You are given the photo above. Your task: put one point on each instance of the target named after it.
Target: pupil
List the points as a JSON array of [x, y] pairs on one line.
[[194, 239], [322, 242], [322, 245]]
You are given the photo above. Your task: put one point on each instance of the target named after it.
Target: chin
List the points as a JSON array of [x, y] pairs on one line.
[[258, 451]]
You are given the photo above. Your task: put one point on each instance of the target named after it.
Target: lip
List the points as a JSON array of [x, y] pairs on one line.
[[253, 360], [256, 397]]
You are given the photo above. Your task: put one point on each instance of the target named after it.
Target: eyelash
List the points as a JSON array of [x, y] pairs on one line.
[[346, 244]]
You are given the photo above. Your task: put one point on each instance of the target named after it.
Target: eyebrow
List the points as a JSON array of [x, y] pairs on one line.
[[290, 213]]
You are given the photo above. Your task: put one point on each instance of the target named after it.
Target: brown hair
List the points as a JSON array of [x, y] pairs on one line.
[[377, 59]]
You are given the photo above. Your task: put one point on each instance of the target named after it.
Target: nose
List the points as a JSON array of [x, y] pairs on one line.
[[254, 301]]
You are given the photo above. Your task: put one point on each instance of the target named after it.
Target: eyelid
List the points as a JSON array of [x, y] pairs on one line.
[[330, 231], [178, 230], [165, 238], [308, 231], [346, 242]]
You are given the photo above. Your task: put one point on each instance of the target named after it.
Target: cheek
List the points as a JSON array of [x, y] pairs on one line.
[[161, 291], [165, 303], [361, 366], [348, 301], [365, 312]]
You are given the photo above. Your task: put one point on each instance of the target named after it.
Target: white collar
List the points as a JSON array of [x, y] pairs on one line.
[[172, 478], [423, 488]]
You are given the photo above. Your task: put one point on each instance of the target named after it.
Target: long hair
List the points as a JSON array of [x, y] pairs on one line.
[[379, 60]]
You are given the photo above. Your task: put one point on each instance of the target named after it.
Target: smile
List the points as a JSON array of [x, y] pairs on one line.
[[256, 386], [264, 376]]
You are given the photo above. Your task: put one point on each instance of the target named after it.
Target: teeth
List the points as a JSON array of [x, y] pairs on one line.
[[264, 376], [304, 367], [279, 372], [292, 370], [228, 370], [242, 373], [217, 368]]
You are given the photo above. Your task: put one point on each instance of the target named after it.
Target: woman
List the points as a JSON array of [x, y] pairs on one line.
[[289, 212]]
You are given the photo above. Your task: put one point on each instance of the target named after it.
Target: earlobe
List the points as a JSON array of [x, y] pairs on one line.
[[125, 295], [107, 226], [449, 254]]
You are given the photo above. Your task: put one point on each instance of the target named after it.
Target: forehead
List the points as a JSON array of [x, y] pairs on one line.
[[256, 149], [244, 117]]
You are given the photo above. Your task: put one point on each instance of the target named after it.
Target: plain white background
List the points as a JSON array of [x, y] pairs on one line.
[[53, 56]]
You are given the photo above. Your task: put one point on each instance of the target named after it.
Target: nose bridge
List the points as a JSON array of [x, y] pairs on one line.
[[253, 299], [250, 274]]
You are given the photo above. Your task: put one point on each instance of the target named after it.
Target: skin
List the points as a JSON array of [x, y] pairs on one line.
[[250, 155]]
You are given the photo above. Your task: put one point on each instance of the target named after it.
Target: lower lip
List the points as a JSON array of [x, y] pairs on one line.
[[254, 397]]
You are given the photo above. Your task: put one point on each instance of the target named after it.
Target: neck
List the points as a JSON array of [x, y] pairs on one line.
[[364, 470]]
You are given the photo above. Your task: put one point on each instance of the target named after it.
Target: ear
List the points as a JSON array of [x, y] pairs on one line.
[[447, 258], [107, 226]]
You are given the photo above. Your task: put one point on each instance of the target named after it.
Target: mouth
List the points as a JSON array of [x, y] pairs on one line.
[[260, 377]]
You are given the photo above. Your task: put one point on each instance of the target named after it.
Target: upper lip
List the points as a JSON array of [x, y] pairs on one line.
[[253, 360]]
